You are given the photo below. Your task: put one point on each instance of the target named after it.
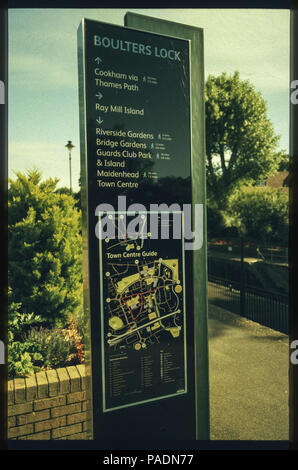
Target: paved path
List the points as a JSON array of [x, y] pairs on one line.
[[248, 379]]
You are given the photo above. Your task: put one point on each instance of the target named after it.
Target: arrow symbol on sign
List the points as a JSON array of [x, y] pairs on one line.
[[99, 95], [99, 120], [98, 60]]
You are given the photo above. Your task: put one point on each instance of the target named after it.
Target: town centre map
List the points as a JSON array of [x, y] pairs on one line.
[[143, 320]]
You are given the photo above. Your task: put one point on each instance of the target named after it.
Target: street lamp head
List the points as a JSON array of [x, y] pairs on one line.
[[69, 146]]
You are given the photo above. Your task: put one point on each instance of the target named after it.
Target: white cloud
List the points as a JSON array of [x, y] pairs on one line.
[[255, 42], [35, 71]]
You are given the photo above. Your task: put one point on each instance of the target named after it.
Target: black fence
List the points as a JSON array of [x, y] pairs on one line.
[[267, 308], [231, 247]]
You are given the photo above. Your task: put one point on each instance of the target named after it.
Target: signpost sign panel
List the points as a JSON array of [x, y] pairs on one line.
[[137, 113], [143, 318], [135, 149]]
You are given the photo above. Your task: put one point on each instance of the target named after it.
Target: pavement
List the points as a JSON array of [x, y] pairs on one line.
[[248, 375]]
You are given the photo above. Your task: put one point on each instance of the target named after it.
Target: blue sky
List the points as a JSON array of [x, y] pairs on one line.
[[43, 82]]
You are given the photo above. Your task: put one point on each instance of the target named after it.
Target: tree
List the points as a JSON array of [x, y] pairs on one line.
[[240, 141], [76, 195], [260, 213], [64, 190], [284, 164], [44, 249]]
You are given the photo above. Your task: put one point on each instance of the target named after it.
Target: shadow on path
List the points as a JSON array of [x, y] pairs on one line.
[[248, 372]]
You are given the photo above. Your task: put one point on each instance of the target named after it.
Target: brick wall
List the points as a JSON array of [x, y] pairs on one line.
[[49, 405]]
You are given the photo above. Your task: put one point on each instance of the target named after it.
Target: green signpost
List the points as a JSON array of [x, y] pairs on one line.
[[144, 231]]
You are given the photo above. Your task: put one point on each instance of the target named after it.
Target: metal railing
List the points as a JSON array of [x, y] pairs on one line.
[[264, 307], [232, 247]]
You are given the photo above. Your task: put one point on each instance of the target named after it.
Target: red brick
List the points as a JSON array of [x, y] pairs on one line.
[[64, 380], [53, 382], [82, 371], [50, 424], [78, 436], [33, 417], [42, 384], [75, 379], [66, 431], [19, 409], [75, 397], [12, 421], [39, 436], [65, 410], [20, 431], [76, 418], [31, 388], [10, 396], [49, 402], [85, 405], [19, 390]]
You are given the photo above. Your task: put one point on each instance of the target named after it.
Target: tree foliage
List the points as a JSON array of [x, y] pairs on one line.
[[240, 141], [261, 214], [44, 249], [284, 164]]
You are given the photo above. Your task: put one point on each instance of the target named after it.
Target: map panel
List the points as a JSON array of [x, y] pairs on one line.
[[143, 319]]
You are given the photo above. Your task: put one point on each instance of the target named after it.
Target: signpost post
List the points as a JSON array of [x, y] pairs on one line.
[[143, 174]]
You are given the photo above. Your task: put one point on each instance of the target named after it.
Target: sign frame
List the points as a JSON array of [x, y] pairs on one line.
[[198, 175], [200, 406]]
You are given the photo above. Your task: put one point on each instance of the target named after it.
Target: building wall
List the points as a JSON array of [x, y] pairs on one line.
[[49, 405]]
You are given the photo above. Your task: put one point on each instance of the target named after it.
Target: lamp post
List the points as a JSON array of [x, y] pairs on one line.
[[69, 147]]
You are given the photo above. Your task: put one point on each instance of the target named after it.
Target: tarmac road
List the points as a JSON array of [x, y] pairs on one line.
[[248, 375]]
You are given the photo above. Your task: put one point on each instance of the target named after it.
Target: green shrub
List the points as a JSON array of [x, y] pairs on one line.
[[81, 320], [261, 213], [55, 348], [43, 348], [20, 361], [44, 249], [73, 334], [32, 347]]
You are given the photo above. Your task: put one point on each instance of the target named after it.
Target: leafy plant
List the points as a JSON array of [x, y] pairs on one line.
[[72, 334], [44, 249], [81, 320], [20, 361], [43, 348], [56, 349], [32, 347]]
